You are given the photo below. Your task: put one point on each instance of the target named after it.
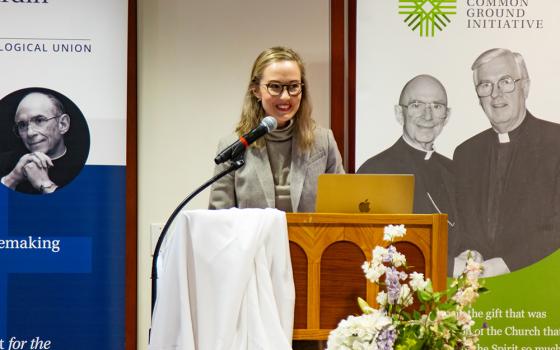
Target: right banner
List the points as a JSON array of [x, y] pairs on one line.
[[462, 94]]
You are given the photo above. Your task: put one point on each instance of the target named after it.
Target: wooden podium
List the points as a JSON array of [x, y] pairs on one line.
[[328, 250]]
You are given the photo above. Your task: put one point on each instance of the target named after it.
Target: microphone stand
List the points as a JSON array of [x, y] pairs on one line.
[[236, 163]]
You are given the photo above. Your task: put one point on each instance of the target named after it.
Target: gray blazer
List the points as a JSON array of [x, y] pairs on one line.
[[252, 186]]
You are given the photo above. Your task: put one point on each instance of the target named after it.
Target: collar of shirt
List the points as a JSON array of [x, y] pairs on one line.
[[507, 137], [281, 134], [428, 154], [61, 155]]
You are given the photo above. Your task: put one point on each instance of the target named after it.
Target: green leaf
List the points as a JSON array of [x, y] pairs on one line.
[[406, 315], [482, 290], [429, 287], [424, 296], [445, 306], [432, 315], [364, 306], [408, 340]]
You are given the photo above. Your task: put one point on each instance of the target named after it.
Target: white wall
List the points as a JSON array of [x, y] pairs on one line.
[[194, 64]]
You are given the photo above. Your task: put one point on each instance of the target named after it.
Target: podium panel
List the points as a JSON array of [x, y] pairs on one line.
[[328, 250]]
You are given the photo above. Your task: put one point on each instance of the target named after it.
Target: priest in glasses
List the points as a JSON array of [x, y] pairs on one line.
[[508, 176], [423, 112]]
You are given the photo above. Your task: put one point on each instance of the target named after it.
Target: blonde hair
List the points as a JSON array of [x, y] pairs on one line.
[[252, 112]]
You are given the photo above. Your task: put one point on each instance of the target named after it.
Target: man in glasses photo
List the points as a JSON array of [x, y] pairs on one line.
[[508, 176], [41, 123], [422, 111]]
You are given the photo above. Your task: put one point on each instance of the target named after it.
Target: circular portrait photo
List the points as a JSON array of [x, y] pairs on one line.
[[44, 141]]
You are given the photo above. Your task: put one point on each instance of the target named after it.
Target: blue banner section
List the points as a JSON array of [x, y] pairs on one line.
[[3, 276], [62, 263], [41, 254]]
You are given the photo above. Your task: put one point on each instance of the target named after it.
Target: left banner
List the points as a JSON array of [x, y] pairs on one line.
[[63, 76]]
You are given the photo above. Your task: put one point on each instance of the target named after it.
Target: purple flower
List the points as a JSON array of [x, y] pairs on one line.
[[389, 256], [393, 285], [386, 338]]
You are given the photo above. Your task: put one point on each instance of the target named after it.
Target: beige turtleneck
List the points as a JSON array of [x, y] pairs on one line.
[[279, 148]]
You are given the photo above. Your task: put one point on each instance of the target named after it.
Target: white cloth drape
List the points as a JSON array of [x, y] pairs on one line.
[[224, 282]]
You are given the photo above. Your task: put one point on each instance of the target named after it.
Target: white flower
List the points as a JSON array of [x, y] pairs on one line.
[[472, 281], [365, 266], [358, 332], [441, 315], [464, 320], [473, 270], [393, 231], [399, 259], [373, 271], [405, 296], [378, 328], [378, 254], [465, 297], [417, 281], [473, 267], [469, 343], [382, 298]]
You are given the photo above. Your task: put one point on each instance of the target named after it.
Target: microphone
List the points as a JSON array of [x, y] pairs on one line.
[[238, 147]]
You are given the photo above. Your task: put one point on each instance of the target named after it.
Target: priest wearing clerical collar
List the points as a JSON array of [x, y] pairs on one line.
[[47, 164], [422, 111], [508, 176]]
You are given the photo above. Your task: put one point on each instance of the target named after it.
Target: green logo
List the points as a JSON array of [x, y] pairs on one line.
[[427, 15]]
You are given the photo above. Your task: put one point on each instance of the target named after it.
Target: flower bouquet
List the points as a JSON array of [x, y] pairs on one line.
[[440, 322]]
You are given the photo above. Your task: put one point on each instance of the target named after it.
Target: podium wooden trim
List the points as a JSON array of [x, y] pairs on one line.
[[314, 235]]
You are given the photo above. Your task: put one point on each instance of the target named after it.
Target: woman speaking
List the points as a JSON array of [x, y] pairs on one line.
[[281, 169]]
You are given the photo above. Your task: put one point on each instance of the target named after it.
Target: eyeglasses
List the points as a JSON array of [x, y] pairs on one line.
[[37, 122], [276, 89], [417, 108], [506, 84]]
